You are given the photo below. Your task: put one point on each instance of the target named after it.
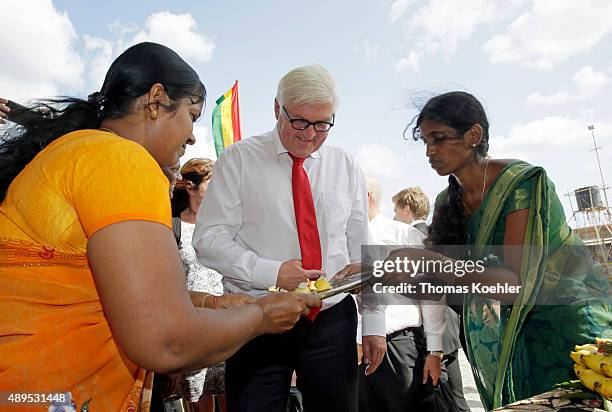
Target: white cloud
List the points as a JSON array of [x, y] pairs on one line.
[[101, 61], [398, 8], [180, 33], [122, 29], [177, 31], [51, 59], [369, 50], [379, 160], [563, 146], [585, 84], [204, 146], [441, 25], [411, 62], [588, 81], [551, 32], [38, 55], [446, 23], [540, 138], [560, 143]]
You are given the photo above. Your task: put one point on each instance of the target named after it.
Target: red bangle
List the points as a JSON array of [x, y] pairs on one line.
[[215, 302]]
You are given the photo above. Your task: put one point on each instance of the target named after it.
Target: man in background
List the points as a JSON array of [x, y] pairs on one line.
[[413, 329], [412, 207]]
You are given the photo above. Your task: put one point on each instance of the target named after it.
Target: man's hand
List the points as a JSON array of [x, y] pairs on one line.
[[374, 349], [433, 368], [291, 274]]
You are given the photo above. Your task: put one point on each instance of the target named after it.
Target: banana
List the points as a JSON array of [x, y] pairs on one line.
[[594, 381], [577, 356], [319, 285], [598, 362], [589, 346], [322, 284]]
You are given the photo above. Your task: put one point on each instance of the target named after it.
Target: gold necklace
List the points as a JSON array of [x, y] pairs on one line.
[[484, 185]]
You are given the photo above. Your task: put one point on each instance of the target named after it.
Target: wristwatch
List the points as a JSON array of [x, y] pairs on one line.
[[436, 353]]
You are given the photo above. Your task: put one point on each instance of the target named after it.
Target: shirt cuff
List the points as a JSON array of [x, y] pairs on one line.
[[265, 273], [373, 324], [434, 342]]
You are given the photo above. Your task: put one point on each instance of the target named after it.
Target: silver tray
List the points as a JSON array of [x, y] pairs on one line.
[[345, 285]]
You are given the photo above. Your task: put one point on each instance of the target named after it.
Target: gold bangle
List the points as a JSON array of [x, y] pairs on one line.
[[204, 299]]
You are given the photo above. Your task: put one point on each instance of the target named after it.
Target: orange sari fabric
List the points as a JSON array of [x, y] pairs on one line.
[[54, 336]]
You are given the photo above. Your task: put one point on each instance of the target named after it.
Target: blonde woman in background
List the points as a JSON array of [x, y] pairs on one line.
[[412, 207]]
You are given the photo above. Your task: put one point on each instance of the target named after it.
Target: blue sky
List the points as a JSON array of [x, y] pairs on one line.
[[541, 68]]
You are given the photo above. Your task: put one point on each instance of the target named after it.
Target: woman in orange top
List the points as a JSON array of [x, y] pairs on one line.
[[92, 290]]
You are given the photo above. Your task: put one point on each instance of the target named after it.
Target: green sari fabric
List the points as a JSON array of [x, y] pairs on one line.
[[519, 350]]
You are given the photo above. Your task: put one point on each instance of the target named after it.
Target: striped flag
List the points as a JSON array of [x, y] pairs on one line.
[[226, 120]]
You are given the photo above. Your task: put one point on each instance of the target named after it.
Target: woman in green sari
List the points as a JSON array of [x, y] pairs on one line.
[[507, 213]]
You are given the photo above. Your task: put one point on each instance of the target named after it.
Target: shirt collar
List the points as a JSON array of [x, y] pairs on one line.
[[280, 149]]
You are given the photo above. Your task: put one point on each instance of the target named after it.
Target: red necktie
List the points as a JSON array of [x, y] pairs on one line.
[[306, 220]]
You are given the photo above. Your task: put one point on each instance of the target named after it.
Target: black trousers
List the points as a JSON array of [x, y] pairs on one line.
[[258, 376], [455, 383], [397, 386]]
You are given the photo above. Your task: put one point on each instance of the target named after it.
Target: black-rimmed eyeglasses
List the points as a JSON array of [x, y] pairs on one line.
[[302, 124]]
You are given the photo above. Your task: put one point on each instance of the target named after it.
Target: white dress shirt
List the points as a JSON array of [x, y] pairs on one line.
[[246, 226], [405, 312]]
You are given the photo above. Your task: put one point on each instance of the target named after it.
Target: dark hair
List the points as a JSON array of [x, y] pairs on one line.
[[130, 76], [193, 173], [461, 111]]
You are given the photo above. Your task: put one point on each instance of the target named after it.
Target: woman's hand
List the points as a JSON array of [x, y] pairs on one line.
[[234, 300], [413, 269], [225, 301], [400, 265], [282, 310], [347, 271], [403, 266]]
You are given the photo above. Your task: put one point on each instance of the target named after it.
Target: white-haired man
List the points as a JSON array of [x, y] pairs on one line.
[[280, 209]]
